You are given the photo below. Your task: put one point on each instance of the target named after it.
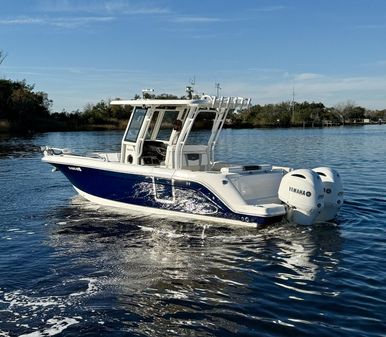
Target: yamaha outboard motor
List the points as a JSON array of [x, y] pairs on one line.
[[333, 192], [303, 193]]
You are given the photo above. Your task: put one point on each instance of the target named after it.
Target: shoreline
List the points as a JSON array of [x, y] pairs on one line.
[[6, 129]]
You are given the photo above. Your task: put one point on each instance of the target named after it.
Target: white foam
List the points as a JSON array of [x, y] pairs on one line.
[[58, 324], [15, 299], [146, 229], [92, 288], [35, 306]]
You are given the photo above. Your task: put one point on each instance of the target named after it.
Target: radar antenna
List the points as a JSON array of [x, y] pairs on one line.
[[190, 88]]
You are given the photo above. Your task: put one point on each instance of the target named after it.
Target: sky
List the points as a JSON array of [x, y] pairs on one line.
[[84, 51]]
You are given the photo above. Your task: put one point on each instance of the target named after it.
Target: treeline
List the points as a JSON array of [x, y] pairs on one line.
[[287, 114], [24, 110], [100, 116]]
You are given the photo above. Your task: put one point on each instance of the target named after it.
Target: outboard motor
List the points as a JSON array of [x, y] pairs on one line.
[[303, 192], [333, 192]]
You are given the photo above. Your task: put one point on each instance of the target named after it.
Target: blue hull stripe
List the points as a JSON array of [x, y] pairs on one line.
[[139, 190]]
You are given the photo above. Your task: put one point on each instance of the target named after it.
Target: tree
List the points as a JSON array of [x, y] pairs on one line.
[[104, 113], [166, 96], [22, 107], [376, 115], [351, 112], [343, 109]]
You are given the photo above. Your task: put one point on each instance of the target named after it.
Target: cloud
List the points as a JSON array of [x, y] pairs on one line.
[[367, 91], [74, 14], [21, 21], [381, 63], [146, 11], [196, 19], [307, 76], [100, 7], [64, 22], [79, 21], [343, 84], [333, 89]]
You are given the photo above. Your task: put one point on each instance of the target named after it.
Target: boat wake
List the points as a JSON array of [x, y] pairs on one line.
[[34, 314], [139, 264]]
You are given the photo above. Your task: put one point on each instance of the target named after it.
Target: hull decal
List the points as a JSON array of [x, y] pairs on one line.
[[156, 193]]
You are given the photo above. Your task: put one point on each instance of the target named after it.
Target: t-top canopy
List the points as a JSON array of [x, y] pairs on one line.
[[205, 101]]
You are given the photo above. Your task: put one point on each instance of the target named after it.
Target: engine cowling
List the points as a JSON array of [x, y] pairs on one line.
[[333, 192], [303, 192]]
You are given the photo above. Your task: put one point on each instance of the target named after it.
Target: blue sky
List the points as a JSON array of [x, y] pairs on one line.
[[81, 52]]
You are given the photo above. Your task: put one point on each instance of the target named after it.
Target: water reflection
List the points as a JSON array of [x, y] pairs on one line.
[[16, 147], [302, 251], [178, 275]]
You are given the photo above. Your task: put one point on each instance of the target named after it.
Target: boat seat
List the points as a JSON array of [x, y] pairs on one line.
[[195, 161], [150, 160], [259, 187], [153, 152]]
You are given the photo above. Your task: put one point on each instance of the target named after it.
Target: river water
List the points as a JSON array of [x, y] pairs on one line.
[[71, 268]]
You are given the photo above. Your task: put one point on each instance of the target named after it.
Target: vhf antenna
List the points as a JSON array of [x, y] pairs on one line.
[[218, 88]]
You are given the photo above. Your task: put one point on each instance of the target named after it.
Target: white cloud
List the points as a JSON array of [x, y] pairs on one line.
[[331, 90], [367, 91], [78, 22], [381, 63], [64, 22], [146, 11], [21, 21], [100, 7], [307, 76], [196, 19]]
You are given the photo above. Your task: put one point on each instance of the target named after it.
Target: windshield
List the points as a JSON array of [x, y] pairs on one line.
[[167, 125], [202, 128], [135, 125]]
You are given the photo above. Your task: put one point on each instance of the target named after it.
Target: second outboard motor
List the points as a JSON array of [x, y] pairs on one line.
[[333, 192], [303, 192]]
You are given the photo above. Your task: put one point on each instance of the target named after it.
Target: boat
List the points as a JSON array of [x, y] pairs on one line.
[[162, 169]]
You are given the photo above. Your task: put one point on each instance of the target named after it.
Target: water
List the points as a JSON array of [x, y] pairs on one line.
[[70, 268]]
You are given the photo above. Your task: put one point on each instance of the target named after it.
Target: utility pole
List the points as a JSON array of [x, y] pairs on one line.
[[293, 106]]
